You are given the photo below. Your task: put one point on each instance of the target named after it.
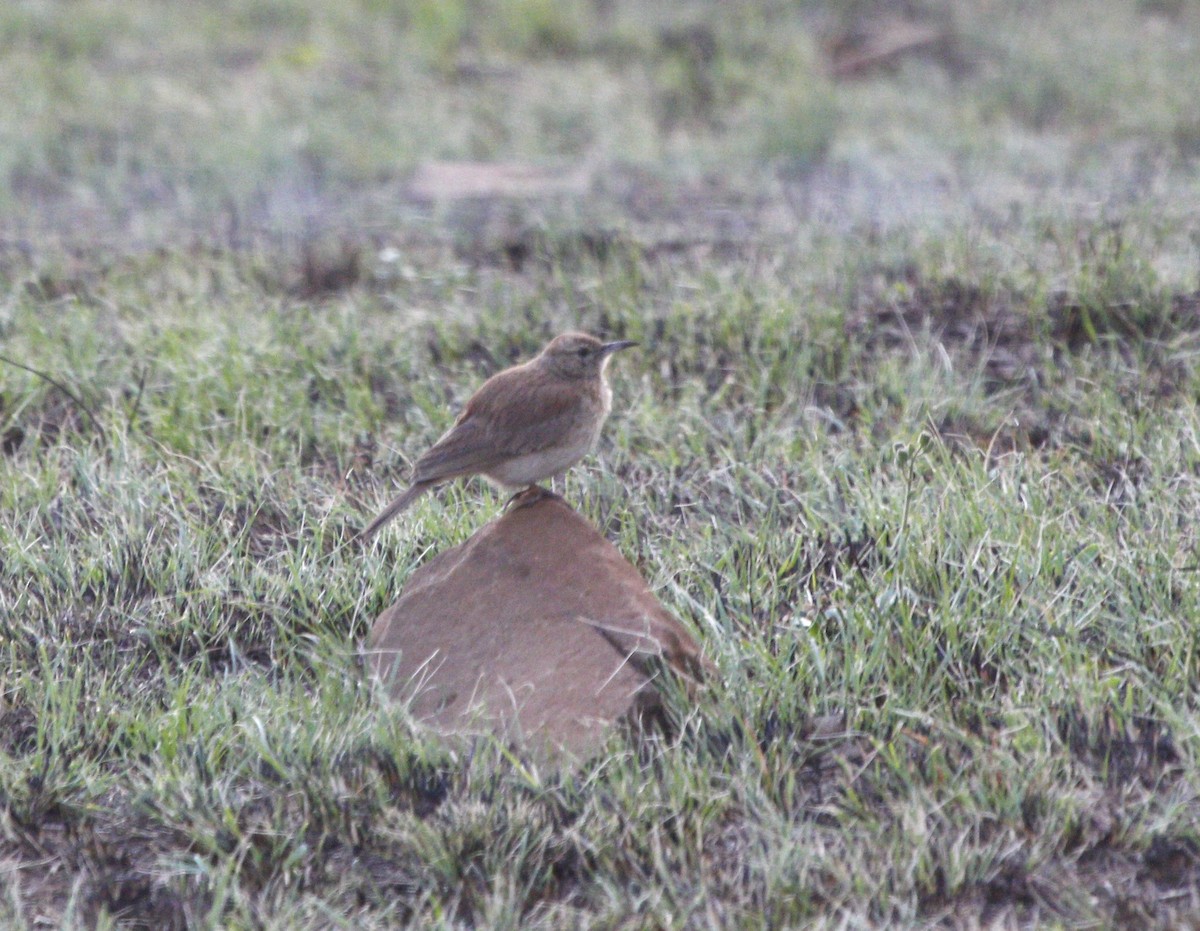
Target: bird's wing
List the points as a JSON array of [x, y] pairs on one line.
[[464, 450], [527, 415], [510, 415]]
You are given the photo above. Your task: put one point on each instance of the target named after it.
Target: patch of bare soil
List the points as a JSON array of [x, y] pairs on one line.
[[52, 854], [1007, 333], [1097, 869], [128, 858], [1020, 343]]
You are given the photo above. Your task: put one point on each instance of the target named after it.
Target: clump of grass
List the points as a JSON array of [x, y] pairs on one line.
[[440, 28], [543, 27]]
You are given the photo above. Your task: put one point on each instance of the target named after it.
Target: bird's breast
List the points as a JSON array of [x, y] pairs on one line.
[[576, 439]]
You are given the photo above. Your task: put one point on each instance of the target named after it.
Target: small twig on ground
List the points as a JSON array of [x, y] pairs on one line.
[[60, 386], [137, 401]]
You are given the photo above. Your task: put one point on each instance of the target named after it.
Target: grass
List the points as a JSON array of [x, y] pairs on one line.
[[919, 470], [991, 582]]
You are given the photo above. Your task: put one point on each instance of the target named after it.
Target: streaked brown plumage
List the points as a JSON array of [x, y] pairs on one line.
[[523, 425]]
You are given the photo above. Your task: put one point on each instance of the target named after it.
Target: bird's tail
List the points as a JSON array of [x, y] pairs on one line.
[[399, 503]]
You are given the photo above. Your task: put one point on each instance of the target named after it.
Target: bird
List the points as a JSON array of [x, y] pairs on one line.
[[524, 424]]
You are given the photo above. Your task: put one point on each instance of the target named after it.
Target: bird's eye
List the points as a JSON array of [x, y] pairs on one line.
[[584, 351]]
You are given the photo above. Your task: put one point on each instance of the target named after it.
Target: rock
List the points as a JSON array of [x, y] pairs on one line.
[[437, 181], [537, 627]]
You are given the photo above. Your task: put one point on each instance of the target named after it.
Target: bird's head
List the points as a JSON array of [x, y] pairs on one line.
[[578, 355]]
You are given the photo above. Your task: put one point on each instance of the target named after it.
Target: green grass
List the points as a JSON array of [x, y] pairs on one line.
[[992, 581], [912, 444]]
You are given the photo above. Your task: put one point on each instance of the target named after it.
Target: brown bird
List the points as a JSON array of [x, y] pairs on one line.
[[524, 424]]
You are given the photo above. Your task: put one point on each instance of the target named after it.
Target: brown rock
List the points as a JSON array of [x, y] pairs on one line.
[[536, 627], [459, 180], [882, 42]]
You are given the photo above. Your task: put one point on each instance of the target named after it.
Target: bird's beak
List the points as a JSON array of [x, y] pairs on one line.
[[609, 348]]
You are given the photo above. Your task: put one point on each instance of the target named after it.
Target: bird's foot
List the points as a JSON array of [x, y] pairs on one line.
[[528, 496]]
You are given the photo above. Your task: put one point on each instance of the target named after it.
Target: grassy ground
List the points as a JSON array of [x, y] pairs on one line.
[[912, 443]]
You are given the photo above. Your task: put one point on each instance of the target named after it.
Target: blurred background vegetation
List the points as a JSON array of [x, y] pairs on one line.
[[139, 119]]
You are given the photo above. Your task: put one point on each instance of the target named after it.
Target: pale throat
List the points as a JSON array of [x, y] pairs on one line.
[[606, 394]]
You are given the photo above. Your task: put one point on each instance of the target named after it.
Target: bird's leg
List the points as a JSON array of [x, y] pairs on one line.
[[528, 496], [542, 492]]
